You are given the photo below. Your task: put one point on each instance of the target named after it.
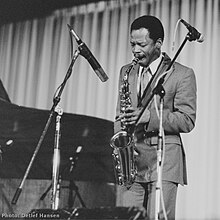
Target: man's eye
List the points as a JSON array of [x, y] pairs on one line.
[[139, 44], [143, 45]]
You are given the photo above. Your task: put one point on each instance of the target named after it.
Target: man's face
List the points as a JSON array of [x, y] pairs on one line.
[[143, 47]]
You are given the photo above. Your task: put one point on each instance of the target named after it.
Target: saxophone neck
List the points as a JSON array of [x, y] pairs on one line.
[[133, 63]]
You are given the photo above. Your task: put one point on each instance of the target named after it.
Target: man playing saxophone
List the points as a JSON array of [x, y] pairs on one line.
[[179, 114]]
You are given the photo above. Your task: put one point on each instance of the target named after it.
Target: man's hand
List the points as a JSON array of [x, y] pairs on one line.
[[131, 115]]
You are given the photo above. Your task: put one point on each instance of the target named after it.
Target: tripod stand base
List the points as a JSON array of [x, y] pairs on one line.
[[85, 213]]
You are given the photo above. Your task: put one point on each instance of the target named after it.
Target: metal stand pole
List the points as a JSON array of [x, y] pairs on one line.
[[72, 186], [159, 158], [56, 162]]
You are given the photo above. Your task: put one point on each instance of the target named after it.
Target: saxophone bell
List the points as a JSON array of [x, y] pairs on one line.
[[123, 158]]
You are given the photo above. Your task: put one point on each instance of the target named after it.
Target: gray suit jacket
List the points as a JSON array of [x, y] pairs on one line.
[[179, 114]]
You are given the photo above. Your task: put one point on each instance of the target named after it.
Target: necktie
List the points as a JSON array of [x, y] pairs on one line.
[[145, 78]]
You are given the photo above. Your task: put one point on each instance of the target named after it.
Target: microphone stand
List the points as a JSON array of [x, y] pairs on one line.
[[191, 36], [56, 100], [159, 156], [56, 162], [72, 186]]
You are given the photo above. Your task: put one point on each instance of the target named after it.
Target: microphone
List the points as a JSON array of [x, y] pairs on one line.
[[74, 158], [195, 34], [84, 51]]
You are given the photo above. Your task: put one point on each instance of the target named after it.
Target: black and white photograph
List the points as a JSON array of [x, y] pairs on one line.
[[109, 109]]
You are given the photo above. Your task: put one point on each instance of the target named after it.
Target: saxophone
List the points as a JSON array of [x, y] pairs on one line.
[[123, 142]]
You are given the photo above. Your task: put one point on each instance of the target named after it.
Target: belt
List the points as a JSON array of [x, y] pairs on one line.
[[151, 134], [155, 133], [142, 133]]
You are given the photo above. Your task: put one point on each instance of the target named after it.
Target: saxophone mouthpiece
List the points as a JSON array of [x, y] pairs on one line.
[[135, 61]]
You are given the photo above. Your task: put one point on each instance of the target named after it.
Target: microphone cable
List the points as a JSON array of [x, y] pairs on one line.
[[163, 145], [174, 36]]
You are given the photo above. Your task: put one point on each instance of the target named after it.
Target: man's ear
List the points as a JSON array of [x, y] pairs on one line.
[[159, 43]]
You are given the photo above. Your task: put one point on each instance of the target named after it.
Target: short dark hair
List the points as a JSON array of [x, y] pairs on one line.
[[152, 24]]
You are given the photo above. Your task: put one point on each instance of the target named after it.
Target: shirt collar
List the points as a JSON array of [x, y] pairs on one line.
[[154, 65]]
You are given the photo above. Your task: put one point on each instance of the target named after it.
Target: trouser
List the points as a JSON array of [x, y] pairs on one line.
[[144, 195]]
